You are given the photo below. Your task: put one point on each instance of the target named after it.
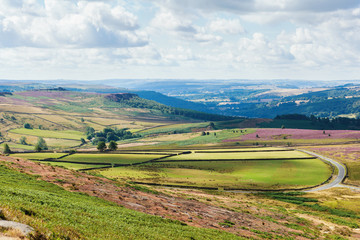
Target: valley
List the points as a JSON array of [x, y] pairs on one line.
[[194, 174]]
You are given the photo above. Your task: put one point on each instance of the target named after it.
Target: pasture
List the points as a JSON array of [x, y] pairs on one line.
[[37, 156], [221, 169], [110, 158], [269, 168], [238, 155], [66, 134], [270, 174]]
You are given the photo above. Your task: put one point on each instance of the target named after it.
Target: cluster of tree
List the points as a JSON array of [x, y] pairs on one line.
[[137, 102], [102, 146], [108, 135], [324, 122]]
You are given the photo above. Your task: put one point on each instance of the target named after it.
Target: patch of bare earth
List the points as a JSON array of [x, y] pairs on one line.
[[193, 212]]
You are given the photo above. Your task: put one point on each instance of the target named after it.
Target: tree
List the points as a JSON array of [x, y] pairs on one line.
[[101, 146], [37, 148], [27, 126], [42, 144], [82, 141], [6, 149], [112, 145], [23, 140]]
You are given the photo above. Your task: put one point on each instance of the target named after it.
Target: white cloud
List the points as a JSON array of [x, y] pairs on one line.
[[69, 24], [226, 26]]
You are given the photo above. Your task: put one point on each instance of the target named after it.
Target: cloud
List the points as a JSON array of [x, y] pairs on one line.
[[226, 26], [179, 26], [68, 24], [248, 6]]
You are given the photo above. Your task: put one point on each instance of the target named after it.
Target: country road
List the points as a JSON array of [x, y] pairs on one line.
[[339, 178]]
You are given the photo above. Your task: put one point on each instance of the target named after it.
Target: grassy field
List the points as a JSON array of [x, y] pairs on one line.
[[74, 166], [110, 158], [67, 134], [14, 146], [249, 174], [66, 215], [37, 156], [240, 155], [180, 128]]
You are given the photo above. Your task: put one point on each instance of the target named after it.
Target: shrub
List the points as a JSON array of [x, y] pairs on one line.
[[27, 126], [23, 140]]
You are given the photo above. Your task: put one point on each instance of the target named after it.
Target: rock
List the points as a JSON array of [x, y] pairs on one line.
[[24, 229]]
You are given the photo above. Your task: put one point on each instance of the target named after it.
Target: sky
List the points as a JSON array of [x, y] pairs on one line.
[[180, 39]]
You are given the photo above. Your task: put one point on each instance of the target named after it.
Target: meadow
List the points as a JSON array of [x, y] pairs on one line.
[[110, 158], [66, 134], [272, 174], [230, 168], [238, 155], [37, 156]]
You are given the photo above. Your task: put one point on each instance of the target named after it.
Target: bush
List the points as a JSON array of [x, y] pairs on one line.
[[23, 141], [27, 126]]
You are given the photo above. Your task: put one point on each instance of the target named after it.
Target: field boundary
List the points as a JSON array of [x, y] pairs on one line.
[[270, 150], [240, 160], [230, 189]]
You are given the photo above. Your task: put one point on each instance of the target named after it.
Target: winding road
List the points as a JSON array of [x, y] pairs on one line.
[[339, 178]]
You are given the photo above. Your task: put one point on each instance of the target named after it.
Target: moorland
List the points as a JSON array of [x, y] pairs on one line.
[[85, 165]]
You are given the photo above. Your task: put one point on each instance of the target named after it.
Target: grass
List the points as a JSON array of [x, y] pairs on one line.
[[110, 158], [240, 155], [74, 166], [245, 174], [37, 156], [215, 136], [67, 134], [66, 215], [180, 128], [18, 146]]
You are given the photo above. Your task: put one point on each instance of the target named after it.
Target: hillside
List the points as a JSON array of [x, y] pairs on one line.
[[63, 117]]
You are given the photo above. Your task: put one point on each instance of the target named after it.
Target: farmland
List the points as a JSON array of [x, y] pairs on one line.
[[252, 168], [68, 134], [174, 167]]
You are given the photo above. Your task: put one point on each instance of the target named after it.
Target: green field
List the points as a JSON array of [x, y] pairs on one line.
[[110, 158], [260, 168], [250, 174], [67, 134], [37, 156], [74, 166], [66, 215], [214, 137], [239, 155], [17, 146]]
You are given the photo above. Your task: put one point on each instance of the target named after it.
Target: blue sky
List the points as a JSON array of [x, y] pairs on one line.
[[180, 39]]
